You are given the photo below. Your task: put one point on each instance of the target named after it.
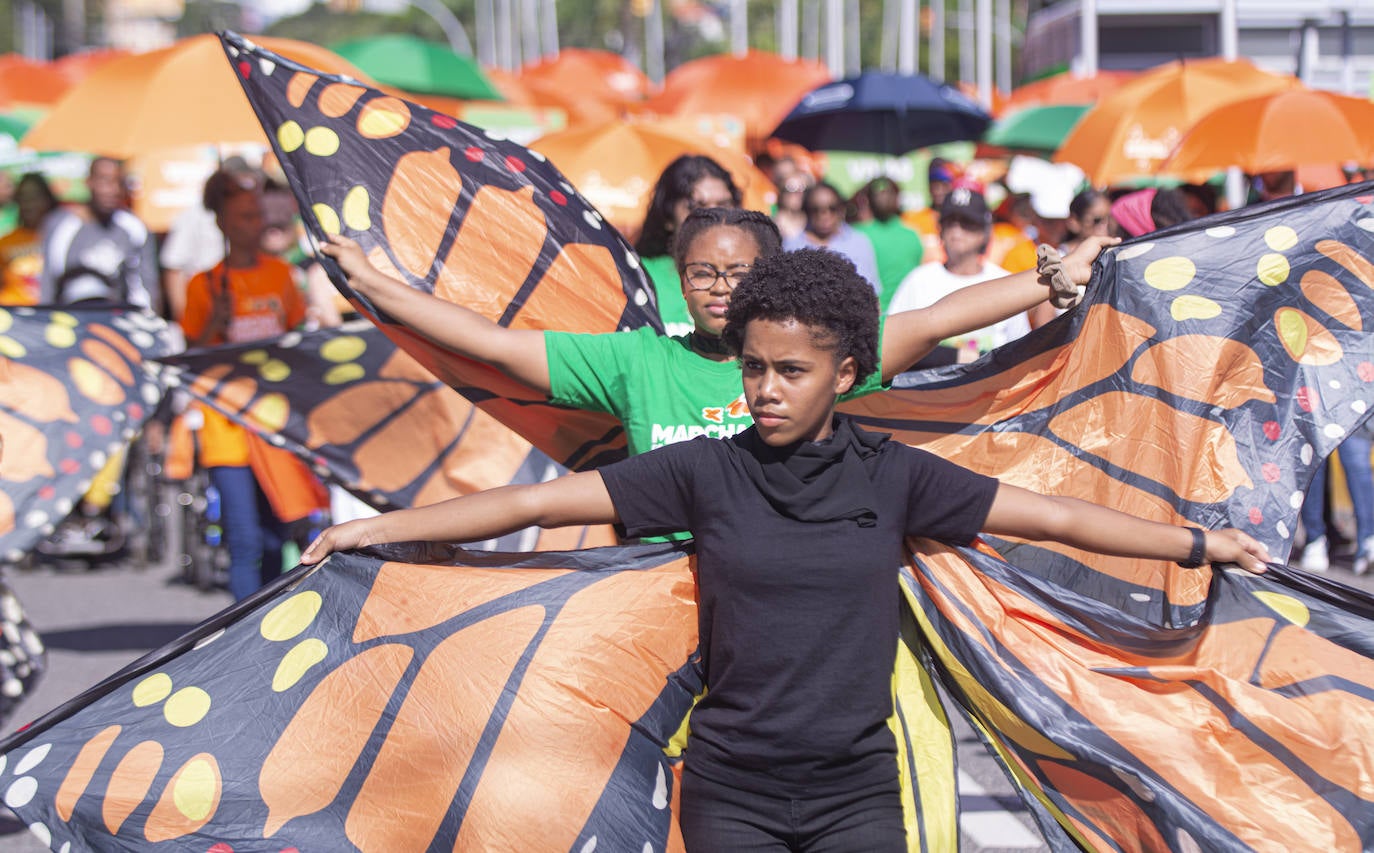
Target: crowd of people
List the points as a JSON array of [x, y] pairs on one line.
[[236, 268], [773, 317]]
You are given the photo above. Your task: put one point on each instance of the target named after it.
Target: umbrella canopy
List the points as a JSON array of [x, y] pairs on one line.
[[178, 96], [615, 166], [1133, 130], [759, 88], [77, 66], [592, 86], [415, 65], [1067, 88], [1279, 132], [1037, 129], [23, 81], [882, 113]]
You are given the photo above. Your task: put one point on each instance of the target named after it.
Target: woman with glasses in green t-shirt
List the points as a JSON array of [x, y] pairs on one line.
[[670, 389]]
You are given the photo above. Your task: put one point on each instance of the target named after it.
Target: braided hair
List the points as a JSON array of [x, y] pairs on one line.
[[755, 224]]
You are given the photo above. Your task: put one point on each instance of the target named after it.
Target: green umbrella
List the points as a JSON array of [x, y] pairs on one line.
[[1039, 129], [419, 66]]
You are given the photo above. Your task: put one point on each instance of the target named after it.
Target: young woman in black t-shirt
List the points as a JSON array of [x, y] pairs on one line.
[[799, 525]]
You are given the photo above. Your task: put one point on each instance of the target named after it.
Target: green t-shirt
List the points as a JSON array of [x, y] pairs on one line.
[[672, 308], [659, 389], [898, 250]]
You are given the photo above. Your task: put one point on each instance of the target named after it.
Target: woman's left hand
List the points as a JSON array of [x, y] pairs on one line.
[[1078, 264], [1239, 547], [340, 537]]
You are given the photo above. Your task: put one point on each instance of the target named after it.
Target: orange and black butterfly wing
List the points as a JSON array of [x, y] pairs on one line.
[[447, 701], [364, 415], [451, 210], [1142, 705], [73, 391]]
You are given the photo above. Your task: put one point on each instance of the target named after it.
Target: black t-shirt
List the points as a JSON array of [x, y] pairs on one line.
[[798, 620]]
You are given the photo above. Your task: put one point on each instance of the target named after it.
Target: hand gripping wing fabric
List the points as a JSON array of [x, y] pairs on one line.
[[365, 415], [456, 212]]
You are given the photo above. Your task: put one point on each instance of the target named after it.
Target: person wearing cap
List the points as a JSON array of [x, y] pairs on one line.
[[965, 230], [826, 229]]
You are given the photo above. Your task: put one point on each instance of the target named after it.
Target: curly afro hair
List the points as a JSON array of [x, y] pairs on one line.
[[816, 287], [760, 226]]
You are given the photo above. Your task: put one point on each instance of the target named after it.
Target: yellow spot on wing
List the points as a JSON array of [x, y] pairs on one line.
[[297, 663], [186, 707], [1170, 273], [1194, 308], [1280, 238], [1286, 606], [291, 617], [1272, 269], [152, 689]]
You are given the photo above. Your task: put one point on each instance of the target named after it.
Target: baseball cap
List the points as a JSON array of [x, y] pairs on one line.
[[966, 205]]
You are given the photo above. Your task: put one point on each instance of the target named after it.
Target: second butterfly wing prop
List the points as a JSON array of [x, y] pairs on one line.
[[450, 210]]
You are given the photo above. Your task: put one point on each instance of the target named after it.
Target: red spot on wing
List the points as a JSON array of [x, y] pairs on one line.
[[443, 121], [1272, 430], [1307, 398], [1271, 472], [1366, 371], [558, 198], [245, 69], [515, 164], [73, 439], [69, 466], [1256, 515], [102, 425]]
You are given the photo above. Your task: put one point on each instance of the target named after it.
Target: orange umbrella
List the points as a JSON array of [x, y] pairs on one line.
[[178, 96], [1134, 129], [511, 87], [1279, 132], [999, 98], [77, 66], [23, 81], [759, 88], [615, 165], [1066, 88], [591, 85]]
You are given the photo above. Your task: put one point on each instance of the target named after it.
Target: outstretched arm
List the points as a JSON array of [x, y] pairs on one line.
[[517, 352], [574, 499], [910, 335], [1027, 515]]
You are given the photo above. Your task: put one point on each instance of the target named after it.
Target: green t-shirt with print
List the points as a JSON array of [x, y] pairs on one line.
[[672, 308], [657, 386]]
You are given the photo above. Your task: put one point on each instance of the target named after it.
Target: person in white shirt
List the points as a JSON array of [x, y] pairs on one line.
[[965, 230]]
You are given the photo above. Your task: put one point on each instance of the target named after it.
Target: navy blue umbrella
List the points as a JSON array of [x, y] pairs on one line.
[[882, 113]]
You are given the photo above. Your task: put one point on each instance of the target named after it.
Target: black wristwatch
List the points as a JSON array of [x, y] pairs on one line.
[[1198, 555]]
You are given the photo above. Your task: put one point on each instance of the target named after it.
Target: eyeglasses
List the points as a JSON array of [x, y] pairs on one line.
[[837, 207], [703, 276]]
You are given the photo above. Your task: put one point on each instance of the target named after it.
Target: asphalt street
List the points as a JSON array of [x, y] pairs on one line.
[[95, 622]]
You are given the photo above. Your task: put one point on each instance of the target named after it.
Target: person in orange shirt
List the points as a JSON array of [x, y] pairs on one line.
[[245, 297], [21, 250]]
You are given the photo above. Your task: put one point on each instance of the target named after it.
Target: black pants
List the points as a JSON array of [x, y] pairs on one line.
[[716, 818]]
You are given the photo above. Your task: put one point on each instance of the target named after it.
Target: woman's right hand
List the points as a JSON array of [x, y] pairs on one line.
[[349, 256], [340, 537]]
